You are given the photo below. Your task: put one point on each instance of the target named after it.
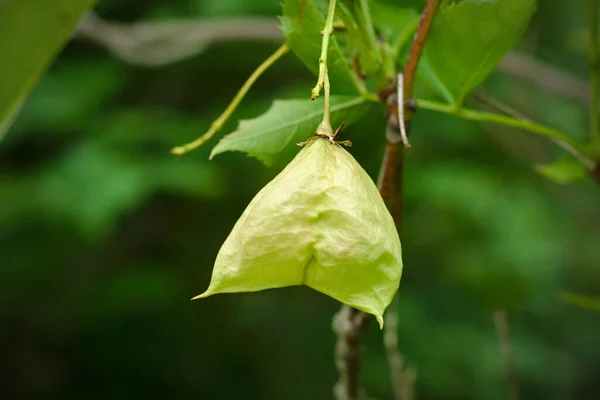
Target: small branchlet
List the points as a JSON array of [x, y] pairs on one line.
[[219, 122]]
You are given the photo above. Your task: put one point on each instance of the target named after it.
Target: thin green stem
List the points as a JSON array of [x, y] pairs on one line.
[[368, 29], [594, 56], [392, 51], [323, 81], [371, 57], [219, 122], [499, 106], [371, 97], [325, 34], [565, 142], [324, 127]]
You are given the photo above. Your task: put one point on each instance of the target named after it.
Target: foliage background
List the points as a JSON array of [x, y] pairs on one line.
[[104, 236]]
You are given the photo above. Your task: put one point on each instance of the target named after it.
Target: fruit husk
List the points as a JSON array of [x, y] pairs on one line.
[[322, 223]]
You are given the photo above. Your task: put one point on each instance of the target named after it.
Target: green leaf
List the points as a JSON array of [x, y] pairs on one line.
[[565, 170], [432, 80], [591, 303], [274, 134], [7, 119], [118, 163], [468, 40], [302, 22], [32, 32]]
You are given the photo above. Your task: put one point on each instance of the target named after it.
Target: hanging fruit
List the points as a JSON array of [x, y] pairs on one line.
[[322, 223]]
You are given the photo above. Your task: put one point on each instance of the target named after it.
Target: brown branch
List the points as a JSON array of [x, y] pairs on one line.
[[163, 42], [416, 49], [349, 324], [403, 379], [392, 178], [501, 324], [410, 69], [391, 185], [390, 174], [499, 106], [392, 168], [155, 44], [551, 79]]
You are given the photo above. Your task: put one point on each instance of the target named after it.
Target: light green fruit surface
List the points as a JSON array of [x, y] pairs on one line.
[[322, 223]]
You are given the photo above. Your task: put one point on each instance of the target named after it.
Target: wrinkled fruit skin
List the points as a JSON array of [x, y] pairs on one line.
[[322, 223]]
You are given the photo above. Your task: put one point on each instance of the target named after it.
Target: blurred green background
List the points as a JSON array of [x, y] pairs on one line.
[[104, 236]]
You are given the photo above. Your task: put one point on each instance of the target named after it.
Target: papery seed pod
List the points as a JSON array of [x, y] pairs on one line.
[[322, 223]]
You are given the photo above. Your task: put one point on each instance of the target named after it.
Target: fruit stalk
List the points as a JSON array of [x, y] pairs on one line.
[[323, 80]]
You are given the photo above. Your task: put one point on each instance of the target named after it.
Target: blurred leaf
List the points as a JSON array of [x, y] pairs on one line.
[[565, 170], [94, 184], [116, 167], [69, 97], [578, 40], [286, 123], [512, 243], [302, 22], [468, 40], [591, 303], [32, 33]]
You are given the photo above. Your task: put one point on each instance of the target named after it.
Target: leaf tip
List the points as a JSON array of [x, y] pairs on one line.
[[201, 296], [208, 292], [215, 151], [380, 320]]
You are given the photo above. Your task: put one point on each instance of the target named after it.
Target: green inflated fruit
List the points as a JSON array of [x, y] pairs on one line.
[[322, 223]]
